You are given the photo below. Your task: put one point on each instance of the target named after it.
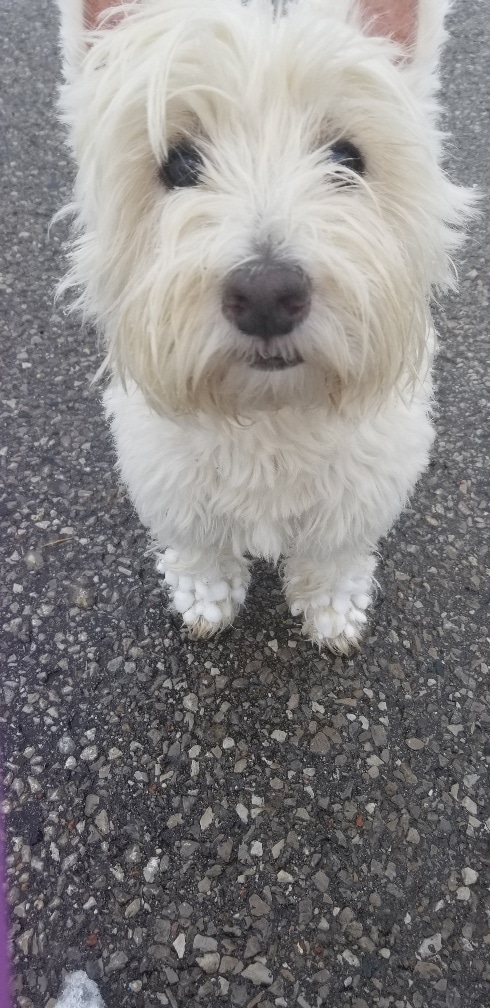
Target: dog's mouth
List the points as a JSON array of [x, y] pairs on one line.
[[275, 363]]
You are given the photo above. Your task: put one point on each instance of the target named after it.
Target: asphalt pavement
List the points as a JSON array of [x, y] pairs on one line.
[[244, 821]]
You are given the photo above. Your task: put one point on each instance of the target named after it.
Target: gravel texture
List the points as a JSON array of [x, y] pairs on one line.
[[242, 822]]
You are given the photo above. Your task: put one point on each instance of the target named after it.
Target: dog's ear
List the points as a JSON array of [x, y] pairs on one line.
[[77, 18], [395, 19], [417, 26], [92, 9]]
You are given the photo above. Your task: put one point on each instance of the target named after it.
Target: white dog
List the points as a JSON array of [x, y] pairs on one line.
[[261, 218]]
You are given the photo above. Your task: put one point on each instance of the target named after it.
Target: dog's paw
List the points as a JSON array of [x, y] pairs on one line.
[[336, 619], [207, 601]]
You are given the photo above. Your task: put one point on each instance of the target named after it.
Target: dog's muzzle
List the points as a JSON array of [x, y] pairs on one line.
[[267, 299]]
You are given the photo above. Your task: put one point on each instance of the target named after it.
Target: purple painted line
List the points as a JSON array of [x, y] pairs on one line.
[[4, 959]]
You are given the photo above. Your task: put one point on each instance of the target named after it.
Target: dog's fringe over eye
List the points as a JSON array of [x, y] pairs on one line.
[[347, 155], [182, 167]]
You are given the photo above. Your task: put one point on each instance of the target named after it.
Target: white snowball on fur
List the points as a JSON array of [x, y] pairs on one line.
[[171, 578], [227, 609], [361, 601], [183, 600], [341, 603], [297, 607], [190, 615], [350, 631], [212, 612], [219, 591], [322, 598], [324, 624]]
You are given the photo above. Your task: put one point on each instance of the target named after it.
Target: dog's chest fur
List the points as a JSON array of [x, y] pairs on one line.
[[265, 483]]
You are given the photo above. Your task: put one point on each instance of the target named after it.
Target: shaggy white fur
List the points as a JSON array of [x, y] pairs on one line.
[[214, 139]]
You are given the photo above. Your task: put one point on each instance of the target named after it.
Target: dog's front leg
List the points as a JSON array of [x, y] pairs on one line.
[[331, 592], [205, 587]]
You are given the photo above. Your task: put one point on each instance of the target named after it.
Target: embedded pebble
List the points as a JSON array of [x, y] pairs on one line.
[[132, 908], [209, 962], [277, 848], [430, 946], [350, 958], [179, 945], [82, 596], [320, 744], [258, 974], [206, 819], [229, 964], [116, 962], [321, 881], [470, 805], [66, 745], [252, 948], [379, 736], [34, 559], [463, 893], [151, 870], [91, 803], [258, 906], [203, 943], [102, 822], [429, 971], [413, 836]]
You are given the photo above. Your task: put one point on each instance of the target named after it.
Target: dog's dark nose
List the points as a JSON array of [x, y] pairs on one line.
[[267, 299]]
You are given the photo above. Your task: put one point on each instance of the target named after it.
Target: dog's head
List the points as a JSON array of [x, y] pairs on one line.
[[261, 211]]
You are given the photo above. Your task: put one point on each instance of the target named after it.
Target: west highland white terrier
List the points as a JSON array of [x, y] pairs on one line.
[[261, 219]]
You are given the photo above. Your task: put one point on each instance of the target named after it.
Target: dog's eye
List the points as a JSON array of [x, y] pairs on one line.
[[347, 155], [182, 167]]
